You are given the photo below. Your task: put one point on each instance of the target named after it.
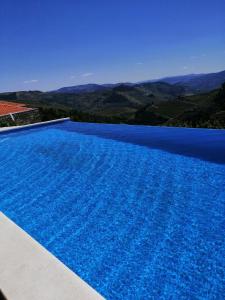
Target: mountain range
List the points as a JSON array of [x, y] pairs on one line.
[[198, 83], [193, 83], [189, 100]]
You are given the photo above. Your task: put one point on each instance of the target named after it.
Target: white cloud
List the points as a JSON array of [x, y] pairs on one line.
[[87, 74], [31, 81]]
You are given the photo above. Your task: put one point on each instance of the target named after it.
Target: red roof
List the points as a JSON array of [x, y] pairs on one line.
[[7, 108]]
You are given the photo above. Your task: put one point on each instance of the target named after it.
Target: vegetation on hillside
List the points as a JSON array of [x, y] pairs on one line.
[[208, 111], [146, 103]]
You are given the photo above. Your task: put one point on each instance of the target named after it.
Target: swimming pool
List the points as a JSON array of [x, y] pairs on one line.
[[138, 212]]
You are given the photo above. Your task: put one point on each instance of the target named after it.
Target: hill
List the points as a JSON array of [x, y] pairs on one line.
[[178, 79], [156, 103], [193, 83], [198, 83], [208, 110], [79, 89], [121, 101]]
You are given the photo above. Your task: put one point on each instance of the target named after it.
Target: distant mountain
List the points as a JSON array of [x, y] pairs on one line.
[[117, 101], [178, 79], [190, 100], [157, 88], [198, 83], [192, 83], [163, 90], [89, 88], [147, 103], [113, 85], [79, 89], [207, 82]]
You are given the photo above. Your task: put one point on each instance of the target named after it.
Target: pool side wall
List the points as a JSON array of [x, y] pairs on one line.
[[39, 124], [28, 271]]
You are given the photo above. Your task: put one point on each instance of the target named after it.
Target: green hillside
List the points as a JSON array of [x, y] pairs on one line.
[[208, 111], [147, 103]]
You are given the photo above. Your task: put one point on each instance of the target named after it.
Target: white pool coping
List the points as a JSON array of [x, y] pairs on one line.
[[29, 272], [5, 129]]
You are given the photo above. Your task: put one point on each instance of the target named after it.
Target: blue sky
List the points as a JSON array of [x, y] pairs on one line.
[[46, 44]]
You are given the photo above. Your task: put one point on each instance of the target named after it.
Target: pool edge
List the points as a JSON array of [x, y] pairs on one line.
[[29, 271], [39, 124]]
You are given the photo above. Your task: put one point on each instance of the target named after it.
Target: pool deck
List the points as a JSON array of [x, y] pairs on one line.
[[5, 129], [29, 272]]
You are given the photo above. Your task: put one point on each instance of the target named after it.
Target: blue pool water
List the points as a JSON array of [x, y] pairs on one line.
[[138, 212]]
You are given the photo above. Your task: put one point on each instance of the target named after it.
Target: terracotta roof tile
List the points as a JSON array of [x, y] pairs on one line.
[[7, 108]]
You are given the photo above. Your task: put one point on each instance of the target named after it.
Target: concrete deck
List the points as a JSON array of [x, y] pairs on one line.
[[30, 272], [5, 129]]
